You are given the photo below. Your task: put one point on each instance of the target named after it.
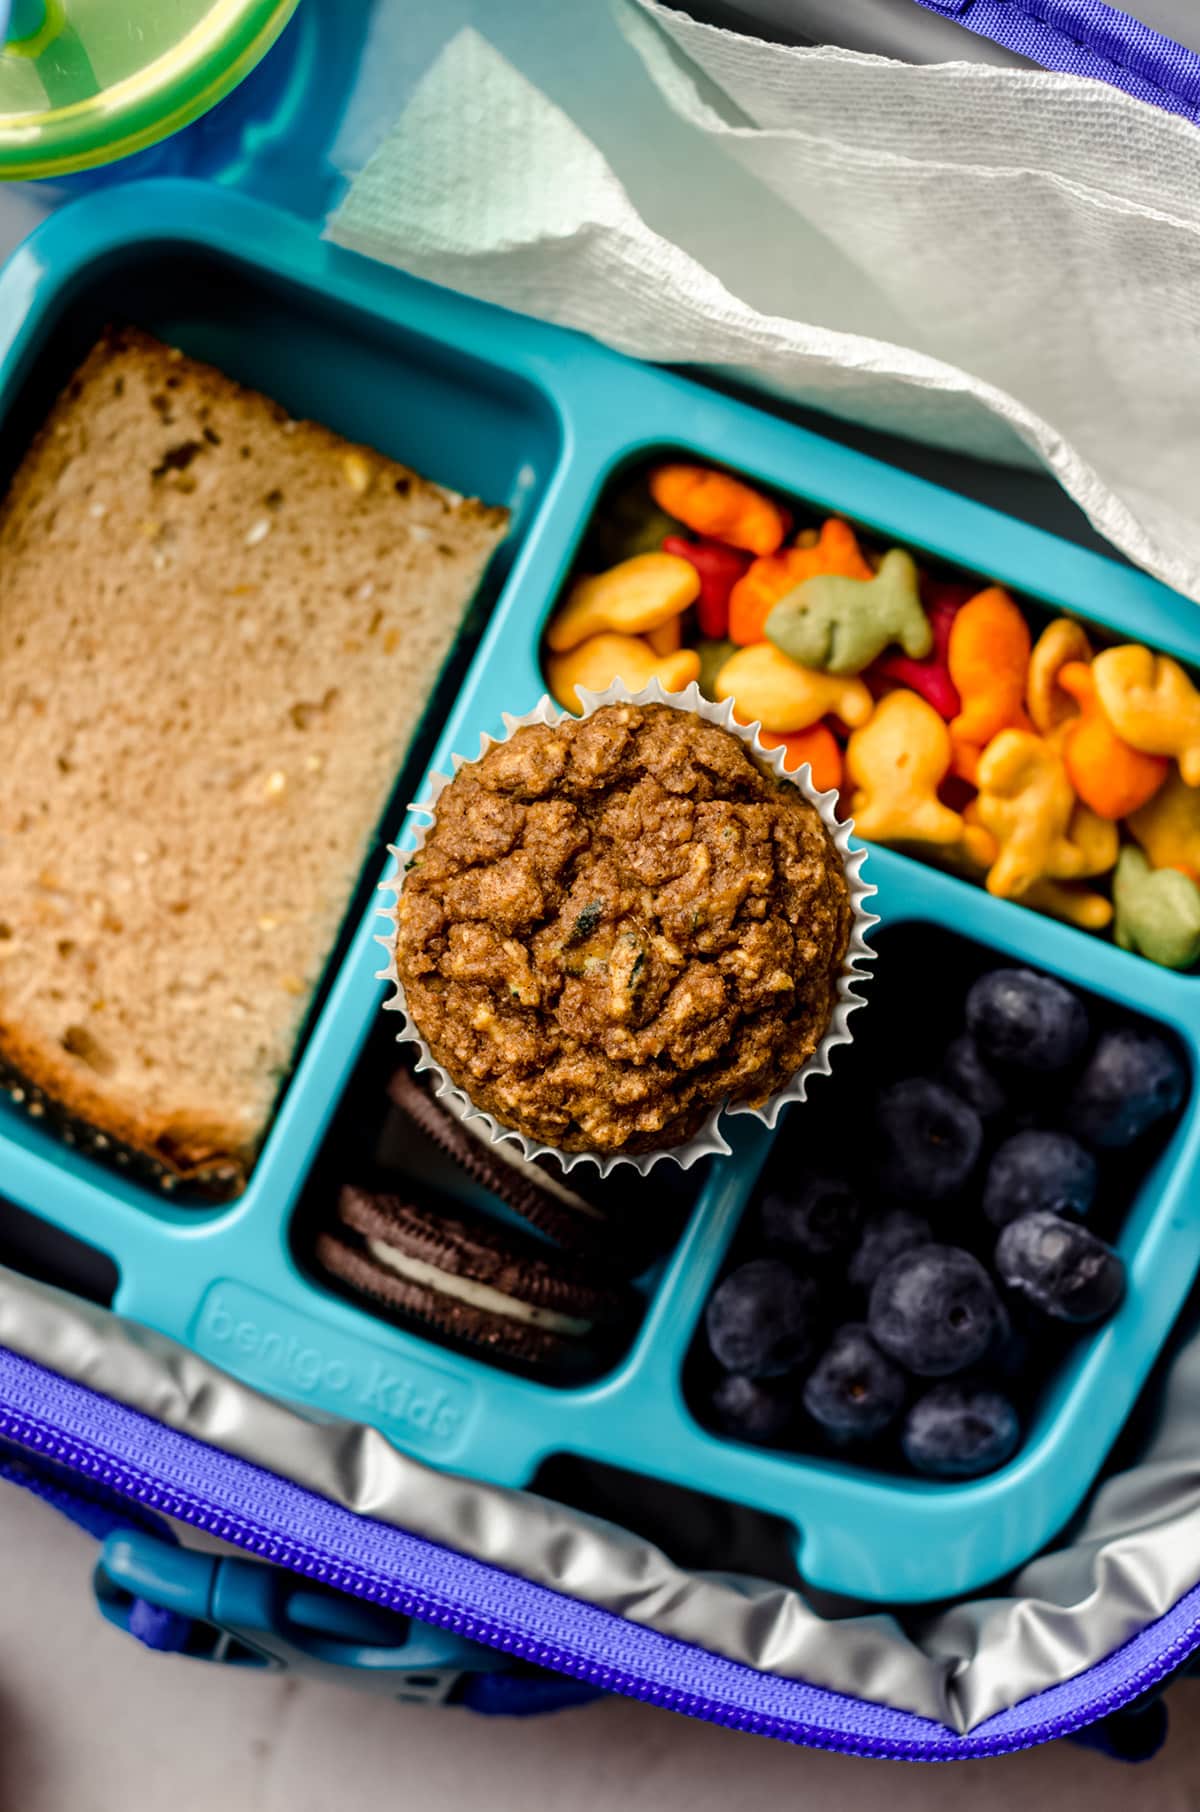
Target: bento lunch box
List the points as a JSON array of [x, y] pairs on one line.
[[541, 419]]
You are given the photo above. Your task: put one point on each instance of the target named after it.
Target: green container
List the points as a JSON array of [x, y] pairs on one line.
[[83, 82]]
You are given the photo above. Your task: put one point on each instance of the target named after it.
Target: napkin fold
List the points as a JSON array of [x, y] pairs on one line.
[[1018, 253]]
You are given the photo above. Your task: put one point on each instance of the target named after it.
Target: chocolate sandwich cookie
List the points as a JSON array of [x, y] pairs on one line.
[[471, 1279], [546, 1200]]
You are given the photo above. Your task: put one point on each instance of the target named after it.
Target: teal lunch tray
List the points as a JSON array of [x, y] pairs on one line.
[[541, 419]]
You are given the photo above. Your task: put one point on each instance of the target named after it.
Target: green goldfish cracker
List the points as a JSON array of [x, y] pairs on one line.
[[1158, 912], [841, 625]]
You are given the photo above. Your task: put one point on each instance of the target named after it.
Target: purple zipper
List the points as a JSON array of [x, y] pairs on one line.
[[1088, 38], [180, 1477]]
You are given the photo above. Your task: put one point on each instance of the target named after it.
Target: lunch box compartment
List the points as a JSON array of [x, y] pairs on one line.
[[912, 1020], [453, 417], [373, 1145], [1171, 632], [559, 417]]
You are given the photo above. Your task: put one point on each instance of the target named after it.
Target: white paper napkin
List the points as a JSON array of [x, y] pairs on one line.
[[1018, 254]]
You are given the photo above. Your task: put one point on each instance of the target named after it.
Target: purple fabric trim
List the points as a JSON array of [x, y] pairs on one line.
[[275, 1518], [1088, 38]]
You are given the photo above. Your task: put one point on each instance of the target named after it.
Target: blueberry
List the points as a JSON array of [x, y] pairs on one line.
[[855, 1391], [928, 1139], [934, 1310], [816, 1219], [884, 1237], [762, 1319], [954, 1432], [750, 1409], [1038, 1172], [968, 1075], [1026, 1021], [1133, 1079], [1060, 1267]]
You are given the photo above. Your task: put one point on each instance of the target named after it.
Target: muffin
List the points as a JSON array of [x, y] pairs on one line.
[[616, 925]]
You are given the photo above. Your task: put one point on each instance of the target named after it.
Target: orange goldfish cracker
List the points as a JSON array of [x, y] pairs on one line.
[[769, 689], [1109, 776], [816, 746], [632, 598], [988, 658], [1025, 800], [600, 660], [964, 761], [1049, 706], [896, 764], [1151, 704], [771, 577], [668, 637], [713, 503]]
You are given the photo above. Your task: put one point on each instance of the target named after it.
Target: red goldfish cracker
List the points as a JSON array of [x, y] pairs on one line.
[[714, 503], [988, 658], [816, 746], [720, 568], [756, 594], [1109, 776]]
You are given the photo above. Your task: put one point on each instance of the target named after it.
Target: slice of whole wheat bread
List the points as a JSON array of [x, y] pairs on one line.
[[218, 630]]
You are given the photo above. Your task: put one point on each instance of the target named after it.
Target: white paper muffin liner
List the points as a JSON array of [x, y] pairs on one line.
[[709, 1139]]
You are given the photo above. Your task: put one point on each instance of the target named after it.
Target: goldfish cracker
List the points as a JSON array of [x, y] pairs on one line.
[[714, 503], [1168, 828], [600, 660], [631, 599], [1077, 905], [842, 625], [818, 747], [834, 550], [964, 761], [668, 637], [769, 689], [720, 568], [1096, 839], [1151, 704], [930, 677], [896, 764], [1109, 776], [1026, 801], [1158, 912], [988, 657], [1061, 642]]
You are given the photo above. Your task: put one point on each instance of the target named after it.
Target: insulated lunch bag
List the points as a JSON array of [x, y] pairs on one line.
[[279, 1477]]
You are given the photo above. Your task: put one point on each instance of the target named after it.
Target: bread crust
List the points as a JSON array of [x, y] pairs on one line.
[[219, 628]]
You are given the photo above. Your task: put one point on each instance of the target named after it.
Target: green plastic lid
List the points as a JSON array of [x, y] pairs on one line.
[[85, 81]]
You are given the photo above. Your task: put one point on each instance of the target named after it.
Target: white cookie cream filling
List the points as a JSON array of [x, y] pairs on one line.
[[477, 1295]]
